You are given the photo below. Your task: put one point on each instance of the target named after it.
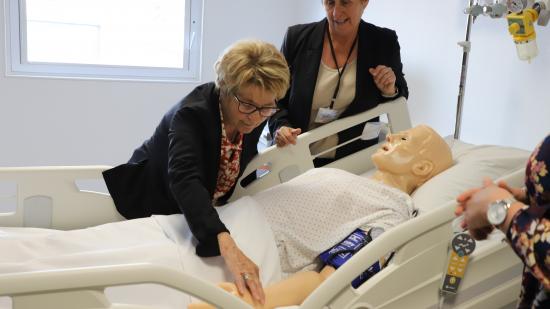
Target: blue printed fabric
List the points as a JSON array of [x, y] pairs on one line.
[[529, 232], [342, 252]]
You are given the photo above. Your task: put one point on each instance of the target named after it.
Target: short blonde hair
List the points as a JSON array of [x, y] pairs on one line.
[[252, 62]]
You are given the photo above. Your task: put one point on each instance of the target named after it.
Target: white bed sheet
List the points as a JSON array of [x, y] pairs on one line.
[[160, 240], [472, 164]]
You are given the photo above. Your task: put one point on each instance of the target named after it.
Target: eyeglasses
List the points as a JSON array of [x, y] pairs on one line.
[[249, 108]]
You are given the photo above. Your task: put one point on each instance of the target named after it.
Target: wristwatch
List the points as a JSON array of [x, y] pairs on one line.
[[498, 210]]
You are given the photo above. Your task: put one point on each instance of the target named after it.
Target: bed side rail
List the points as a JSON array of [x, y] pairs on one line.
[[422, 245], [48, 197], [84, 287], [289, 162]]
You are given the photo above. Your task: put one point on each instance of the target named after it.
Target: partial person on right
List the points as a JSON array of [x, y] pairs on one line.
[[523, 215]]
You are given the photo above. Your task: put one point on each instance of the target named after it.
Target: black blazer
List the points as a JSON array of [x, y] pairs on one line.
[[176, 170], [303, 48]]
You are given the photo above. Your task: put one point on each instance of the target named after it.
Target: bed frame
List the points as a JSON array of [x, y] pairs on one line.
[[411, 280], [289, 162]]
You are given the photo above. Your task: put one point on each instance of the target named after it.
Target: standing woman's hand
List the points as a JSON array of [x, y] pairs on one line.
[[384, 79], [245, 272]]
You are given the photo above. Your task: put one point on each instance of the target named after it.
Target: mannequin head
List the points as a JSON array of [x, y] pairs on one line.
[[410, 158]]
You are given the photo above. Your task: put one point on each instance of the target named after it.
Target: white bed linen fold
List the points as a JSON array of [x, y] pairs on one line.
[[160, 240]]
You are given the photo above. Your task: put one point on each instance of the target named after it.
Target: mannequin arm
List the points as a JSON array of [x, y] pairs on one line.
[[291, 291]]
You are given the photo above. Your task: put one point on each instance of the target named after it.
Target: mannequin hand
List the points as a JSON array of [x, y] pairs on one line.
[[239, 265], [473, 204], [518, 193], [286, 135], [230, 288], [384, 78]]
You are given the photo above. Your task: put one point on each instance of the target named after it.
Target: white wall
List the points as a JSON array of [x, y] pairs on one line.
[[71, 122], [507, 101], [68, 122]]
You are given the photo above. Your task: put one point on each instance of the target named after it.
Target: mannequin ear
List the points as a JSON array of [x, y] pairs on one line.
[[423, 168]]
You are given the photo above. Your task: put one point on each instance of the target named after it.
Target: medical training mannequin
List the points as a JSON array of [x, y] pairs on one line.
[[407, 160]]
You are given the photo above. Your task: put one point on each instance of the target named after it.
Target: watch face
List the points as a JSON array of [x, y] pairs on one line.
[[497, 212]]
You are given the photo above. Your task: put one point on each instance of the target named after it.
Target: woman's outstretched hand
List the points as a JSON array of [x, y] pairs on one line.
[[245, 273]]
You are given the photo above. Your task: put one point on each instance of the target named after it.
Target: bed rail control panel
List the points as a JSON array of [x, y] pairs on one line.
[[462, 245]]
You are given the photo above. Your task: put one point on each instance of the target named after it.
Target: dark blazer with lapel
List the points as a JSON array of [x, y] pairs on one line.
[[303, 48], [176, 170]]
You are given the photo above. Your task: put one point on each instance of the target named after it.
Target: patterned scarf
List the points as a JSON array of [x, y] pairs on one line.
[[230, 158]]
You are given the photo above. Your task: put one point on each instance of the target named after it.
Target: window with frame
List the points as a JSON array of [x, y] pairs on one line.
[[113, 39]]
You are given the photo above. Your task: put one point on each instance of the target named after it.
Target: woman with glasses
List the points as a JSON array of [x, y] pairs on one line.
[[200, 148], [340, 66]]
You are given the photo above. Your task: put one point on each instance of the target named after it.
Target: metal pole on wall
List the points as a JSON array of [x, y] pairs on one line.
[[466, 45]]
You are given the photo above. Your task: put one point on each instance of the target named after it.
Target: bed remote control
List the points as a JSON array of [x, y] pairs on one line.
[[462, 246]]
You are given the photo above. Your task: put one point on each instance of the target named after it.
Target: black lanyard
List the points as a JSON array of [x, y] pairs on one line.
[[340, 73]]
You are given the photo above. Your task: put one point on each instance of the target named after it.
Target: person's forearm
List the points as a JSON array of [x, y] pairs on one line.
[[226, 243], [514, 208], [293, 290]]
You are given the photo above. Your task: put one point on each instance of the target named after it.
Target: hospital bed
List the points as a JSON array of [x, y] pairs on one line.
[[48, 197]]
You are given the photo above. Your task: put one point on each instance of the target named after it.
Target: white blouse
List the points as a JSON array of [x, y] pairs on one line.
[[327, 80]]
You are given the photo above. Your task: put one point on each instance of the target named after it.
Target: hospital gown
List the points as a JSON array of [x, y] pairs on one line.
[[316, 210]]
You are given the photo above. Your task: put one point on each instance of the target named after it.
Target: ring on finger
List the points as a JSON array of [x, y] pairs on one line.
[[246, 276]]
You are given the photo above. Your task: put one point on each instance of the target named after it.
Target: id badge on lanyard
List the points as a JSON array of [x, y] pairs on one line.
[[326, 115]]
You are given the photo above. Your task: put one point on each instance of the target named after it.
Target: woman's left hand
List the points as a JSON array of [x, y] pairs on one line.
[[384, 78]]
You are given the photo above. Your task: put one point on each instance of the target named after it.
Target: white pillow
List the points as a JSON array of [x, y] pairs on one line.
[[472, 164]]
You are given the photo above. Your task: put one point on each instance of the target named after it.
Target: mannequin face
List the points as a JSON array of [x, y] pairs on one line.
[[413, 152]]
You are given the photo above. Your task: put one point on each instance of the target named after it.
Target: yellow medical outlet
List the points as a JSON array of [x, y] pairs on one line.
[[521, 25]]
